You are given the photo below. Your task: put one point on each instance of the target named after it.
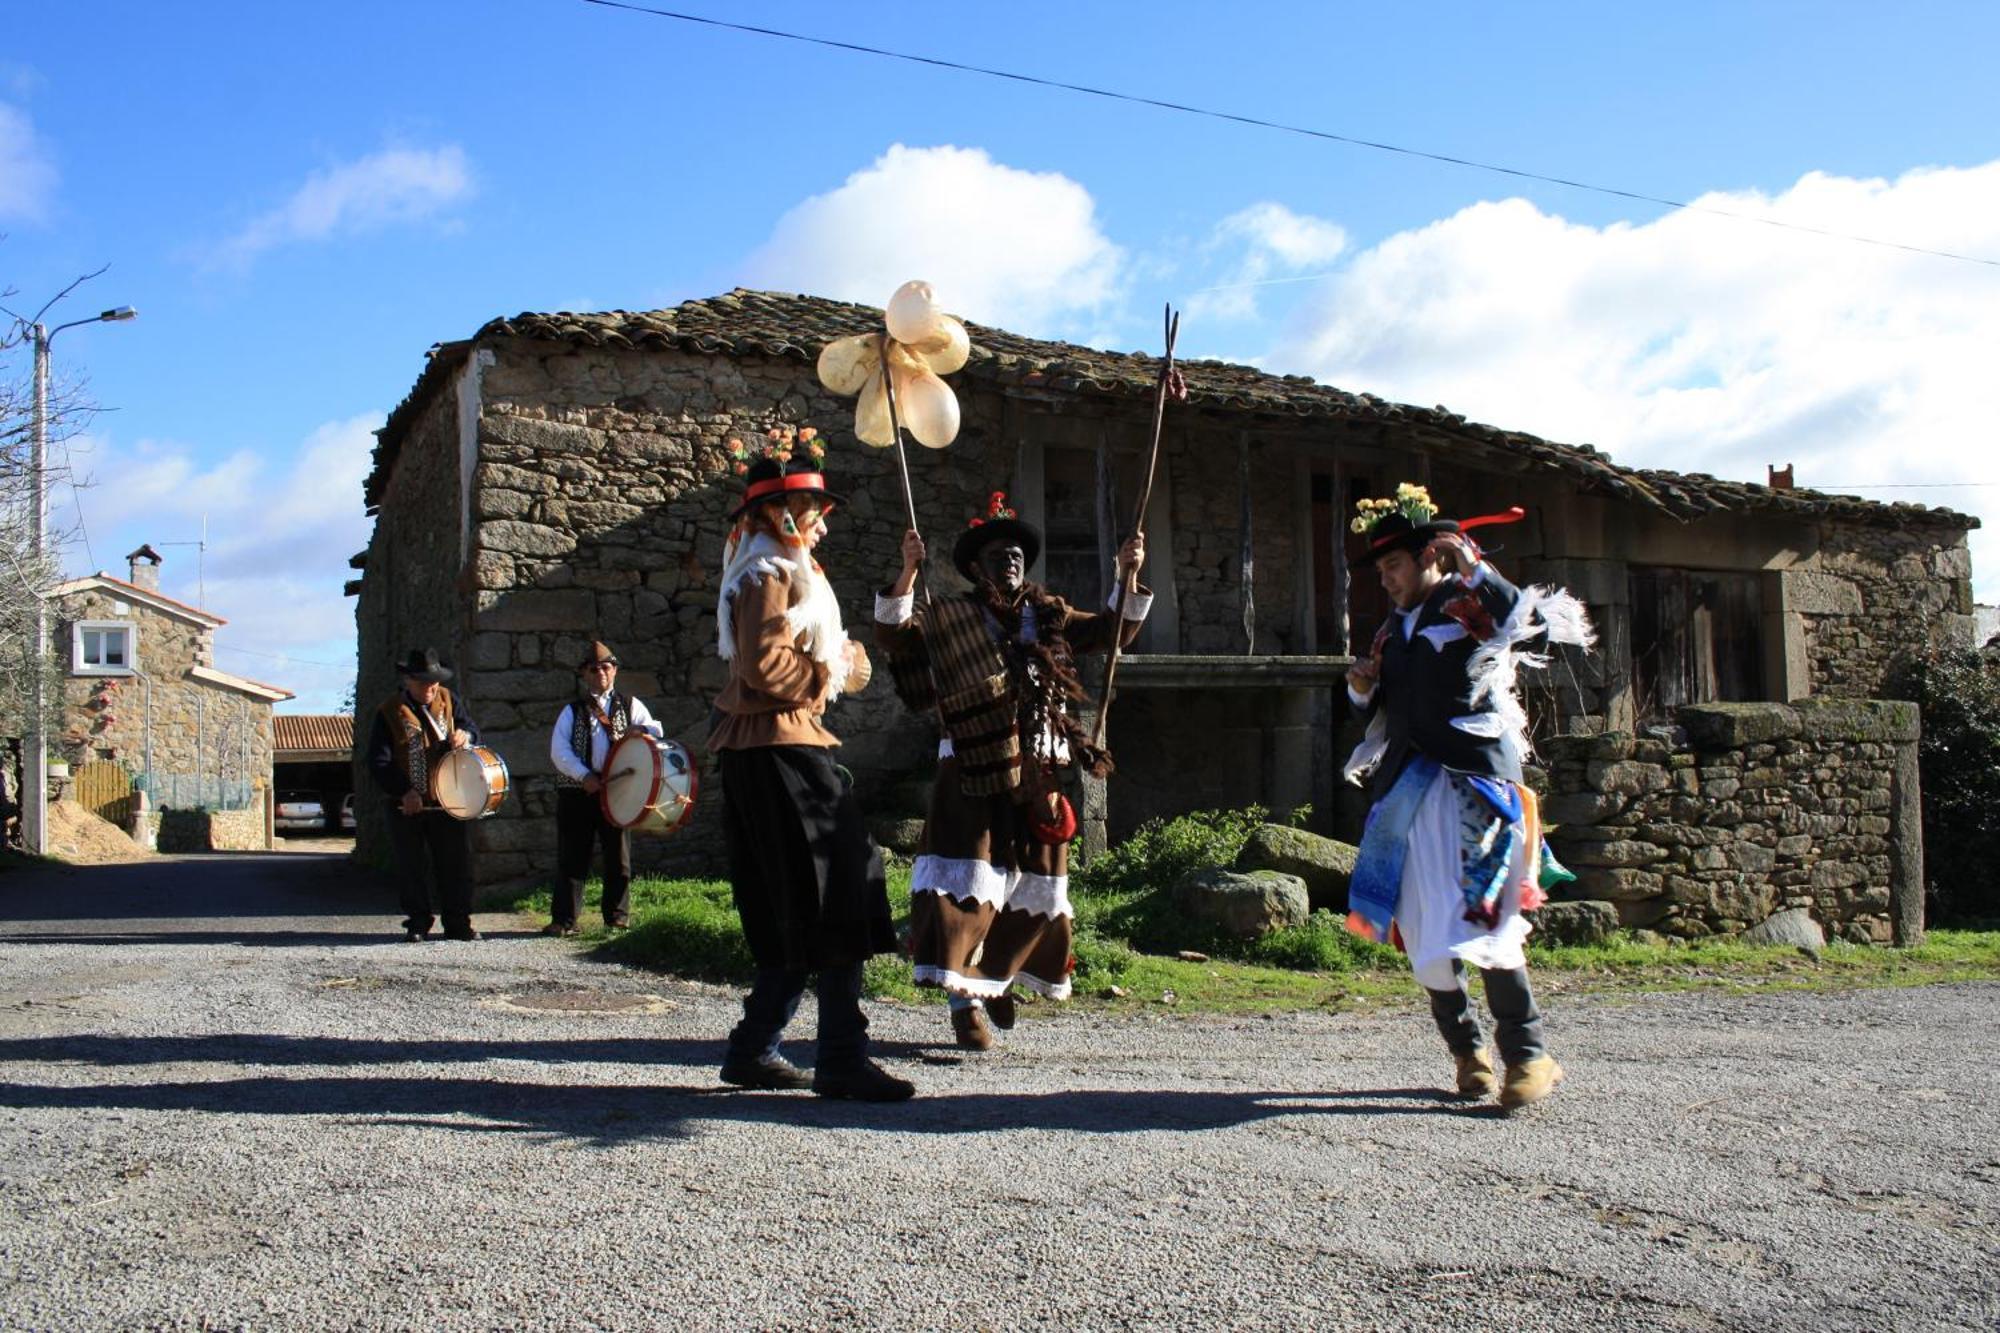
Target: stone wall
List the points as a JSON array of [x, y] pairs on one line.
[[196, 728], [1760, 808], [204, 830], [412, 593], [1878, 592]]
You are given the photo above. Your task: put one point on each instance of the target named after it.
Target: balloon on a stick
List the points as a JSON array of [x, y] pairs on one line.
[[921, 343]]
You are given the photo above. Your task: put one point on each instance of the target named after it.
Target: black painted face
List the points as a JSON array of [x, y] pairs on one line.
[[1005, 563]]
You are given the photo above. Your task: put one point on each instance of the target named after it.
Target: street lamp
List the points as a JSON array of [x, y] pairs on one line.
[[35, 764]]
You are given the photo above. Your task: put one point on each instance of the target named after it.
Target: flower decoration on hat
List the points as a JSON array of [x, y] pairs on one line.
[[781, 444], [1411, 501], [922, 343], [996, 508]]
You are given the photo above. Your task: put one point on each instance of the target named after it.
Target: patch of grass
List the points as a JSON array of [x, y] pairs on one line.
[[1125, 957]]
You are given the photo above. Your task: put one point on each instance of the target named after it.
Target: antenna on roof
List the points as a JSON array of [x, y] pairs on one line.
[[200, 563]]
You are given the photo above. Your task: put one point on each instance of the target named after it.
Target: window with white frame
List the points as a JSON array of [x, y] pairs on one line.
[[104, 648]]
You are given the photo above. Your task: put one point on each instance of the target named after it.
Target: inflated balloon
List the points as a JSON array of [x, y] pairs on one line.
[[930, 408], [945, 350], [846, 363], [872, 423], [923, 343], [913, 313]]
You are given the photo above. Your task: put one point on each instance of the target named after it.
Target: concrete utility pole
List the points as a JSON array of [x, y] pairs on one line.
[[35, 763]]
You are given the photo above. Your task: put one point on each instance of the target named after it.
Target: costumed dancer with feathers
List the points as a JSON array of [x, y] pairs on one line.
[[806, 878], [1453, 853], [989, 893]]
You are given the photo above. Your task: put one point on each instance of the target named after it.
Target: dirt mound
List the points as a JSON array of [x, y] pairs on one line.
[[83, 837]]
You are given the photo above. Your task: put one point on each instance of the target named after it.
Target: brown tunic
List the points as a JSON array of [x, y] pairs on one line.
[[776, 693]]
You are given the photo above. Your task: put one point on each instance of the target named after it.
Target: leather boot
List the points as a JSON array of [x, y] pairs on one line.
[[969, 1027], [1000, 1010], [1475, 1074], [863, 1082], [769, 1073], [1530, 1081]]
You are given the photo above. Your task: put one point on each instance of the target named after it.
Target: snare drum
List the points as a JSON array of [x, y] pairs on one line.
[[469, 783], [649, 785]]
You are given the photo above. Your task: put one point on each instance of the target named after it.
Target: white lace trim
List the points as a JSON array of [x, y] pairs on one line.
[[968, 880], [957, 983], [1141, 603], [1040, 895], [1054, 990], [965, 879], [981, 988], [894, 610]]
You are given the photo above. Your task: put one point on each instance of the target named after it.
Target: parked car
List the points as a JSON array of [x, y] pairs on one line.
[[347, 812], [300, 810]]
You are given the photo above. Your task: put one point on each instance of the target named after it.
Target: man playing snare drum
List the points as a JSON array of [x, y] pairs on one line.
[[412, 730], [580, 743]]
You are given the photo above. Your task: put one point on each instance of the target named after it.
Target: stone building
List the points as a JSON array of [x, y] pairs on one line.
[[142, 694], [555, 478]]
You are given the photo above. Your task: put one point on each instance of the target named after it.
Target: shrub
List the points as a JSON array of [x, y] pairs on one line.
[[1163, 850], [1959, 763]]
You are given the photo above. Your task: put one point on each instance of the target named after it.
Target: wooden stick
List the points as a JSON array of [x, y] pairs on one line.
[[1130, 589], [910, 507]]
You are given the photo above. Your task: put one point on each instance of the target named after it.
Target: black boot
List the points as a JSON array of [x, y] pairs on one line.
[[768, 1073], [864, 1081]]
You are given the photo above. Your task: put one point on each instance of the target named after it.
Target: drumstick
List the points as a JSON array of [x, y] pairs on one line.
[[621, 773]]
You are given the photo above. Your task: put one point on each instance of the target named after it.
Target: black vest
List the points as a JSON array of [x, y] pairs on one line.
[[579, 728]]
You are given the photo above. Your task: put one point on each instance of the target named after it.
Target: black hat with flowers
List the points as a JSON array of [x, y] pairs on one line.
[[787, 464], [997, 524], [1409, 522]]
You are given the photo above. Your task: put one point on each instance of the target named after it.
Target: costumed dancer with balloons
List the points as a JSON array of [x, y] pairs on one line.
[[807, 880], [989, 893], [1453, 854]]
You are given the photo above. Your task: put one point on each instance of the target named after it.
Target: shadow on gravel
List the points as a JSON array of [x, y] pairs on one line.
[[610, 1114]]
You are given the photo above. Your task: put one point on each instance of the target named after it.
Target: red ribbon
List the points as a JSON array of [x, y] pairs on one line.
[[796, 481]]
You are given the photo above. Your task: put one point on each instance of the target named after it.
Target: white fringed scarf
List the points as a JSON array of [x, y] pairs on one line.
[[815, 618]]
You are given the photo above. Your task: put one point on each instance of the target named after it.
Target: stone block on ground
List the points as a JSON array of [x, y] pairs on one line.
[[1794, 926], [1244, 904], [1324, 864], [900, 836], [1586, 922]]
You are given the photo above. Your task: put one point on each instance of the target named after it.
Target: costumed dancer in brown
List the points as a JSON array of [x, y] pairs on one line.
[[989, 894], [807, 880], [412, 729]]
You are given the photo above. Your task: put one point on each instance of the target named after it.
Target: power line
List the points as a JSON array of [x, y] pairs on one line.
[[1261, 123], [275, 657]]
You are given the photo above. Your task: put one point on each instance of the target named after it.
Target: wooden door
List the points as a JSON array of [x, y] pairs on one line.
[[105, 789]]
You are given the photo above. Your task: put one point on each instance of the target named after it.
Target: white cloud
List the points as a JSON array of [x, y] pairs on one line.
[[1270, 240], [281, 525], [1017, 249], [392, 187], [27, 172], [1698, 344]]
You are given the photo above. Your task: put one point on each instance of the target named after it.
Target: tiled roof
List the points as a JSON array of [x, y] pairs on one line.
[[147, 596], [312, 731], [776, 324]]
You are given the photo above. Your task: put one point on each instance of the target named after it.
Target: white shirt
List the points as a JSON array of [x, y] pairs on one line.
[[564, 758]]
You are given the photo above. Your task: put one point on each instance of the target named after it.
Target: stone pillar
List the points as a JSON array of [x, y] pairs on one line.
[[1906, 848]]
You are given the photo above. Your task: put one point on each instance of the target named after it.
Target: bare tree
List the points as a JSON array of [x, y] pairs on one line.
[[27, 575]]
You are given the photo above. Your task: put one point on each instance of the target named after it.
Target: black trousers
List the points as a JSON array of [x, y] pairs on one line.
[[580, 826], [1517, 1020], [436, 843]]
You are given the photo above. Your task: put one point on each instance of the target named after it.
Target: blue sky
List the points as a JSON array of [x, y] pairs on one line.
[[301, 199]]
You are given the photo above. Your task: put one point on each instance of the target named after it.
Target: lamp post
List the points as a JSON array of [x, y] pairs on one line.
[[35, 764]]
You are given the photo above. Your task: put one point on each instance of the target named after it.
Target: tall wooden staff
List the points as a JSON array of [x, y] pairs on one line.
[[1171, 385]]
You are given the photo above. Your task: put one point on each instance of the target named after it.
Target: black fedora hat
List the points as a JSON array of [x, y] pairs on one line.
[[769, 479], [1396, 532], [423, 664], [965, 552]]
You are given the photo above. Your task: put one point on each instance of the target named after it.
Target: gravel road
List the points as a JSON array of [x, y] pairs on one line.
[[229, 1100]]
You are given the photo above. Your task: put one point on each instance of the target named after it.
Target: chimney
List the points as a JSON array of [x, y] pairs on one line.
[[1781, 477], [145, 563]]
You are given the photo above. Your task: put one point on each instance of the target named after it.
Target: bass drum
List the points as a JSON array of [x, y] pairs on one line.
[[649, 785], [469, 783]]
